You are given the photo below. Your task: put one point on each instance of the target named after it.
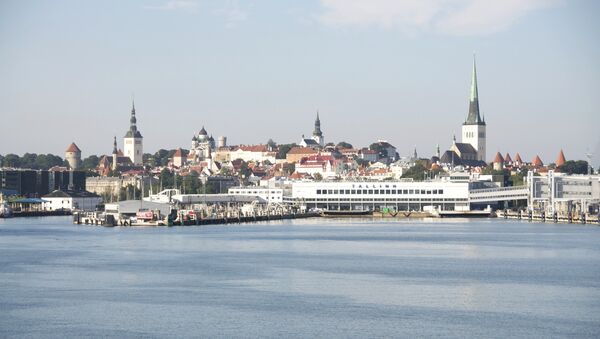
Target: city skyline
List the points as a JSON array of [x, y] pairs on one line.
[[372, 76]]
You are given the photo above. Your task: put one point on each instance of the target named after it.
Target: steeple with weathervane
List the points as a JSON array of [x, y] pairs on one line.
[[473, 129], [132, 142]]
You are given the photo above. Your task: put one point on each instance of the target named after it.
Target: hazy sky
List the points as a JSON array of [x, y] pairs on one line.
[[250, 70]]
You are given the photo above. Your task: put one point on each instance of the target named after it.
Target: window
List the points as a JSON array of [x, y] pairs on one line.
[[411, 192], [329, 191], [376, 192], [422, 191], [370, 191], [441, 191], [347, 191], [404, 191], [318, 191], [335, 192], [388, 191], [353, 192], [393, 191]]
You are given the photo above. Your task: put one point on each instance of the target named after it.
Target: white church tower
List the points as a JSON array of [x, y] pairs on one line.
[[473, 129], [132, 142]]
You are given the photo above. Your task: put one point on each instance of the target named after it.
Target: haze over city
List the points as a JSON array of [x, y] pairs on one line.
[[254, 70]]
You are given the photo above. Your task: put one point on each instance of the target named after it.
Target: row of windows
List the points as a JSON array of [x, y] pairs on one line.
[[397, 200], [407, 191], [254, 192]]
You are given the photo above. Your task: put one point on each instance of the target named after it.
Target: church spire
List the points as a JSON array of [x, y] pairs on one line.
[[115, 151], [474, 118], [317, 132]]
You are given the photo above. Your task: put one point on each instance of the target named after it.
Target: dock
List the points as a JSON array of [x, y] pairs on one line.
[[566, 218]]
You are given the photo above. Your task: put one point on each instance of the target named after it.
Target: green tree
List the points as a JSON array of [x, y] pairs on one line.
[[284, 149], [317, 177], [343, 144], [272, 144], [574, 167], [419, 172], [288, 168], [90, 163], [12, 160]]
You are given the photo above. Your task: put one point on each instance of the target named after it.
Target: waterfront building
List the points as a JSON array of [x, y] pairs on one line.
[[35, 183], [73, 156], [474, 127], [559, 192], [132, 142], [71, 200], [370, 195], [271, 195]]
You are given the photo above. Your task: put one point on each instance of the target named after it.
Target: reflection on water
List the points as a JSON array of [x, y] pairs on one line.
[[304, 278]]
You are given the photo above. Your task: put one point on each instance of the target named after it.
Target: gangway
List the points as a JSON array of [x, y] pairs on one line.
[[497, 194]]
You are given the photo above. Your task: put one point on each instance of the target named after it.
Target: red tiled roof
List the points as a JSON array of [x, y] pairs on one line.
[[178, 153], [561, 159], [518, 158], [253, 148], [302, 150], [498, 159], [73, 148], [507, 158], [537, 162]]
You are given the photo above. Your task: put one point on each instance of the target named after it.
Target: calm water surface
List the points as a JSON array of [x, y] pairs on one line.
[[304, 278]]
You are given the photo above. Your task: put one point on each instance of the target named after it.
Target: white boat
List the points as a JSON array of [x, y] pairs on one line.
[[5, 211]]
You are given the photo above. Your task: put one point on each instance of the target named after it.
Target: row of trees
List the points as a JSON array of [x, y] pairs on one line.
[[32, 160]]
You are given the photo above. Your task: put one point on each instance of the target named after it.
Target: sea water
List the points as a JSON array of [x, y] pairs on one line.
[[316, 277]]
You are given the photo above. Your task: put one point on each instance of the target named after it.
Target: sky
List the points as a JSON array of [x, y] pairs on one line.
[[252, 70]]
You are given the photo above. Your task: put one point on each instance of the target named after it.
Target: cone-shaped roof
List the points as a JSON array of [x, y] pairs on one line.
[[507, 158], [518, 158], [202, 131], [498, 159], [73, 148], [537, 162], [561, 159]]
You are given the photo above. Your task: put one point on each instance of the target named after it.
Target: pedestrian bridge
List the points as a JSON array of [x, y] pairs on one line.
[[488, 195]]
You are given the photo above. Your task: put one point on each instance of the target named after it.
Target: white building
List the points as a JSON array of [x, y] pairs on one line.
[[317, 140], [559, 192], [397, 195], [71, 200], [202, 147], [268, 194], [132, 142], [256, 153]]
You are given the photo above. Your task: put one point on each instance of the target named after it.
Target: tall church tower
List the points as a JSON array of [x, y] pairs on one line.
[[132, 142], [317, 134], [473, 129]]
